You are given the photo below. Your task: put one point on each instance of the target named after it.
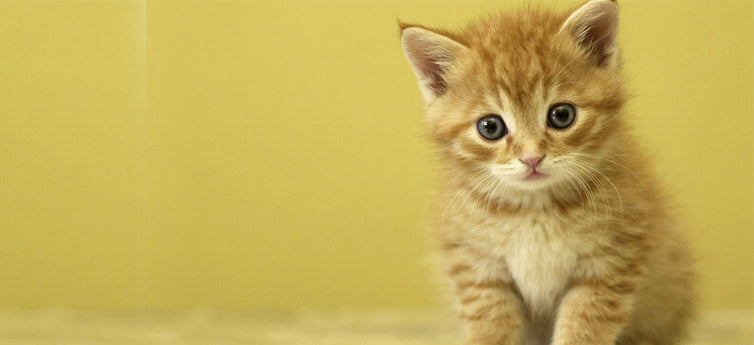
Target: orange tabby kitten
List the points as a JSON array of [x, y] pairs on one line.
[[553, 230]]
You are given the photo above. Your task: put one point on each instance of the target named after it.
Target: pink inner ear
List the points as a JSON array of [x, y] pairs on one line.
[[598, 37], [429, 61], [430, 55], [595, 28], [437, 83]]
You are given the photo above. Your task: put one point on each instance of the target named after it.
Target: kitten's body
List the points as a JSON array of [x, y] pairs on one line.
[[583, 253]]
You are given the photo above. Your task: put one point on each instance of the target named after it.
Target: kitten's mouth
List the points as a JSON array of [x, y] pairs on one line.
[[535, 175]]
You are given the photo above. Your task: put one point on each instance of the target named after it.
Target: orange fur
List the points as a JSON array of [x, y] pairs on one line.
[[586, 255]]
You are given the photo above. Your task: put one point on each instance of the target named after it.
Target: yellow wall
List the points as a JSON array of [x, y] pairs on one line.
[[268, 154]]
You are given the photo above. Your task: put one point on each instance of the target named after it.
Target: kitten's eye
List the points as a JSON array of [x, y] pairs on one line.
[[561, 115], [491, 127]]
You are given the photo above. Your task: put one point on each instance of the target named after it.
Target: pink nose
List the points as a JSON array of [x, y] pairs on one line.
[[532, 161]]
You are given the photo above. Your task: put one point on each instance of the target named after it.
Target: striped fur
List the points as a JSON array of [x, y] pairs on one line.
[[586, 255]]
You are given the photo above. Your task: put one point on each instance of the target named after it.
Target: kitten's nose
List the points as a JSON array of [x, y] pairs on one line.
[[532, 160]]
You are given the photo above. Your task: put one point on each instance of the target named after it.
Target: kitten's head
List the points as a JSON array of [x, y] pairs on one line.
[[532, 98]]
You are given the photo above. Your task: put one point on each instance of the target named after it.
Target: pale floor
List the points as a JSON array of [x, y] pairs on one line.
[[61, 327]]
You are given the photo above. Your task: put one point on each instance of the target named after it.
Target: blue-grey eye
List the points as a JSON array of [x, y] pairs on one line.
[[561, 115], [491, 127]]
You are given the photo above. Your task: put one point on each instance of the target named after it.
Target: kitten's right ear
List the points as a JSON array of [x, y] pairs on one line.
[[431, 56]]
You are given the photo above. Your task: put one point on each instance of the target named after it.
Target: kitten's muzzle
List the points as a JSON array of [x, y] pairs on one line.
[[532, 161]]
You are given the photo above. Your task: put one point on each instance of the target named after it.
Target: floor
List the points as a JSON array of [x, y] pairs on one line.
[[62, 327]]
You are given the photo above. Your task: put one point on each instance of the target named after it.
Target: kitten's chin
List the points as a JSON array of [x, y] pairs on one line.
[[534, 183]]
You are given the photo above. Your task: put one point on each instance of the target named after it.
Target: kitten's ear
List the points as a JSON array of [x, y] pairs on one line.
[[430, 55], [594, 26]]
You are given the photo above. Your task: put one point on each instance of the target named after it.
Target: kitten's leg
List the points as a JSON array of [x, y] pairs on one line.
[[487, 302], [664, 303], [593, 312]]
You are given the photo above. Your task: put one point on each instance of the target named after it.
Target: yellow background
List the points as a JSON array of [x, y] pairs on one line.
[[265, 154]]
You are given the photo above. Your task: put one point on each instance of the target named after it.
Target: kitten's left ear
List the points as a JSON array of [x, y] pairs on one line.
[[594, 26], [431, 56]]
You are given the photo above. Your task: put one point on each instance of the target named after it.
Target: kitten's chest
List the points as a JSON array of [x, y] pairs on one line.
[[541, 255]]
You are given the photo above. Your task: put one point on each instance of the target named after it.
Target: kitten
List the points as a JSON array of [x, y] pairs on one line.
[[553, 229]]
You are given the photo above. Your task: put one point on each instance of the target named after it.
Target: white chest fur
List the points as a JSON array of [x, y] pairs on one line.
[[540, 257]]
